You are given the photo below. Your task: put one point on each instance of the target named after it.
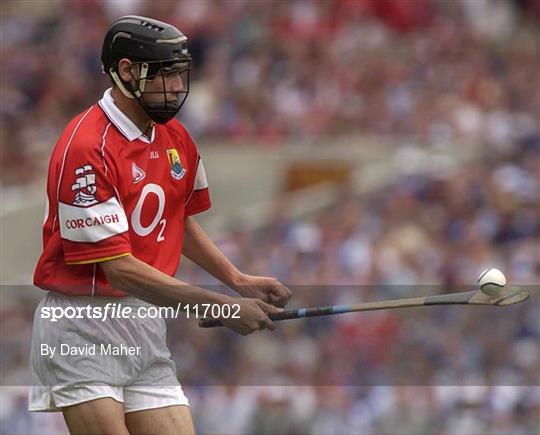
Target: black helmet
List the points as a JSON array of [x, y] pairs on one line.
[[157, 48]]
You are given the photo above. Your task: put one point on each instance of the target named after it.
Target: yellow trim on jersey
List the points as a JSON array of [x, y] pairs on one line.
[[99, 260]]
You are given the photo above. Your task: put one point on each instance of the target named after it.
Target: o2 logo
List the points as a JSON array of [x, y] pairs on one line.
[[149, 189]]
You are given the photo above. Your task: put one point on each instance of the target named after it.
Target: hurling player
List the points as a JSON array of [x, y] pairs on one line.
[[125, 180]]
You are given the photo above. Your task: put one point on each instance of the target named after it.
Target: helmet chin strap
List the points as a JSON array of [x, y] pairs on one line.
[[142, 82]]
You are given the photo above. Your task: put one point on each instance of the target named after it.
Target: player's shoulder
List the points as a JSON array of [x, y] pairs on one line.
[[176, 128], [85, 130]]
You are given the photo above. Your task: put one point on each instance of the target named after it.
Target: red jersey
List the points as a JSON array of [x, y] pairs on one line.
[[112, 192]]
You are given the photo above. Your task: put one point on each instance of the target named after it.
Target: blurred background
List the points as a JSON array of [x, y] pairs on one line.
[[355, 149]]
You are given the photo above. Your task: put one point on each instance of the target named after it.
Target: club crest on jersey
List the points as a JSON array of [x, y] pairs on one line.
[[177, 170], [138, 173], [84, 186]]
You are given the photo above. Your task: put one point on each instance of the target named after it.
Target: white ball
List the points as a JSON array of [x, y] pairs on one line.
[[491, 281]]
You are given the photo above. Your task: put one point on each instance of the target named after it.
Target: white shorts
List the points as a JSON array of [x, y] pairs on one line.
[[125, 359]]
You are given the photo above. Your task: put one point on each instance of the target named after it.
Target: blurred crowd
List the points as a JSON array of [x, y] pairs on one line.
[[442, 370], [421, 235], [435, 69]]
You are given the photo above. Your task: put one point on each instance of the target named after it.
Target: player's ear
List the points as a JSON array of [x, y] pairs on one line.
[[126, 70]]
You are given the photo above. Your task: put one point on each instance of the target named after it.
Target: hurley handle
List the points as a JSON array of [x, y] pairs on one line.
[[284, 315]]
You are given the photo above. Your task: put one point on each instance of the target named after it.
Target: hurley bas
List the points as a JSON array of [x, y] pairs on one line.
[[90, 349]]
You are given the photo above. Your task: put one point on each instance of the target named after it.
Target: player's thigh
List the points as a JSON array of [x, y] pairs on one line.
[[103, 416], [169, 420]]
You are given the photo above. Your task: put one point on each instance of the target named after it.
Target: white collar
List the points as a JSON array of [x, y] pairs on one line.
[[121, 121]]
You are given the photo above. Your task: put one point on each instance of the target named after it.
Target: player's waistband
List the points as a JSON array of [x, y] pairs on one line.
[[53, 298]]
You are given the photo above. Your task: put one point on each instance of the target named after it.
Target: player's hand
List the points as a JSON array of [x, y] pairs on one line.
[[263, 287], [253, 316]]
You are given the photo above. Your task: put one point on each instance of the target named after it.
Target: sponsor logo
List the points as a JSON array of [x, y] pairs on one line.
[[138, 173], [154, 155], [177, 170], [94, 221], [84, 186]]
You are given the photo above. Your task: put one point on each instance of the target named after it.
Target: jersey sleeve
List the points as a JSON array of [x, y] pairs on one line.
[[198, 200], [93, 224]]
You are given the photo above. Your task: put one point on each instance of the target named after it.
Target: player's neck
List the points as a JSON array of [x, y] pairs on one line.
[[133, 111]]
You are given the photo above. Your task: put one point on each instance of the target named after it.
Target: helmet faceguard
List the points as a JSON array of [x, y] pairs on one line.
[[157, 50], [168, 106]]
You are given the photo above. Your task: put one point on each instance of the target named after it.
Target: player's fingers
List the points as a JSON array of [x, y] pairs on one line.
[[280, 295], [274, 300], [248, 329], [278, 301], [289, 291], [267, 297], [267, 308], [235, 327], [268, 324]]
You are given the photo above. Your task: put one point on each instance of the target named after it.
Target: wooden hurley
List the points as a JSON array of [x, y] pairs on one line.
[[507, 296]]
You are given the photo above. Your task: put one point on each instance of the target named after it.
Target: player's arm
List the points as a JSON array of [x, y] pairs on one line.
[[151, 285], [200, 249]]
